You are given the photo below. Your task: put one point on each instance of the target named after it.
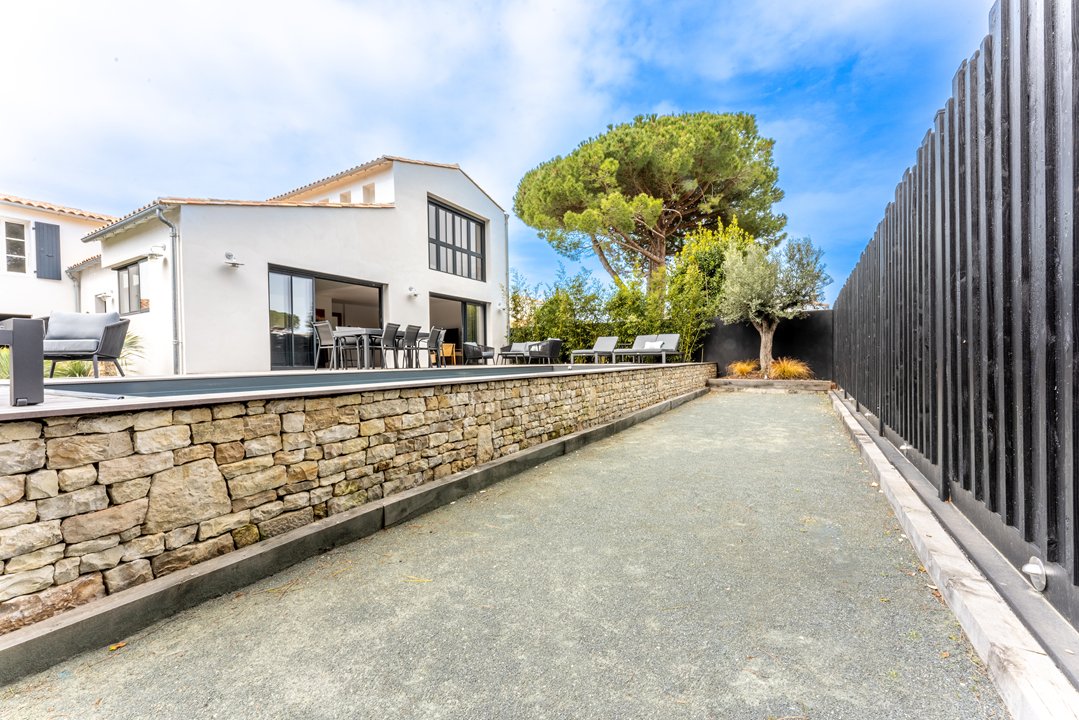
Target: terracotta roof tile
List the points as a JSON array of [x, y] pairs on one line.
[[50, 207]]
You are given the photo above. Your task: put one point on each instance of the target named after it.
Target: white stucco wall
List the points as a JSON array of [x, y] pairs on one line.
[[154, 325], [25, 293], [381, 178]]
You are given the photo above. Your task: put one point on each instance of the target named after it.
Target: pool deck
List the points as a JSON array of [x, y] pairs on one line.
[[731, 558]]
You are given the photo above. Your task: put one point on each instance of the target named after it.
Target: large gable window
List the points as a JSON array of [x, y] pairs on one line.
[[455, 242], [15, 246]]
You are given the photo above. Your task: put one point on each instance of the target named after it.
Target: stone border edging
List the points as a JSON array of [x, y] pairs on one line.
[[109, 619], [1030, 683], [769, 386]]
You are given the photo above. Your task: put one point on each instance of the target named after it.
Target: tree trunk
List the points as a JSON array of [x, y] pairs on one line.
[[767, 332]]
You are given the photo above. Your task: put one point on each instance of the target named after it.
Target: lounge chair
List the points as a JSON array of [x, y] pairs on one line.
[[660, 346], [84, 336], [604, 347]]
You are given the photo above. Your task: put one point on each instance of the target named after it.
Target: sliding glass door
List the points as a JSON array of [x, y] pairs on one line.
[[292, 314]]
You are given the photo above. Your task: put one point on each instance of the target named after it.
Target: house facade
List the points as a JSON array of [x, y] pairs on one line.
[[217, 286], [41, 240]]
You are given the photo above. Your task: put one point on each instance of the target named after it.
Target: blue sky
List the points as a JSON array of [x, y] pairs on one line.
[[244, 100]]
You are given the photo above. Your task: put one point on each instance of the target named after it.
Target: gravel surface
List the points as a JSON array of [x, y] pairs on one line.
[[729, 559]]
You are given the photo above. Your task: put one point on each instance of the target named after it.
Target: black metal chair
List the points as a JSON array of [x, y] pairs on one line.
[[433, 347], [387, 343], [409, 346]]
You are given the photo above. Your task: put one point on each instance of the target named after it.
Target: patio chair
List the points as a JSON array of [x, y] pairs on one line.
[[387, 343], [325, 341], [433, 347], [603, 348], [476, 354], [409, 345], [547, 351], [514, 351], [84, 336]]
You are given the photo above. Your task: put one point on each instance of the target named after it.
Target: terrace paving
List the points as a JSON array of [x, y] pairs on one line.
[[729, 559]]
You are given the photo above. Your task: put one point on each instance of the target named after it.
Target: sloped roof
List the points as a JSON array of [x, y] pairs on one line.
[[61, 209], [141, 214], [361, 170], [85, 263]]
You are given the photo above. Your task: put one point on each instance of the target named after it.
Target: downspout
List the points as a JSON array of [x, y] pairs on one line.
[[76, 277], [506, 250], [177, 343]]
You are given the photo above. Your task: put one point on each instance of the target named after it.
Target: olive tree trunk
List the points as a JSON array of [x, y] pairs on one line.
[[767, 331]]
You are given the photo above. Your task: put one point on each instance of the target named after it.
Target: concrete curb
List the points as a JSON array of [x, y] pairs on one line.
[[109, 619], [1031, 685], [769, 386]]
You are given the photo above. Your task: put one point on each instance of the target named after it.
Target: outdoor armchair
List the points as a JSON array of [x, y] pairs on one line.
[[604, 347], [474, 353], [84, 336], [547, 351]]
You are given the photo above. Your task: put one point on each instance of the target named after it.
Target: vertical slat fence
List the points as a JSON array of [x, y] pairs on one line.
[[955, 333]]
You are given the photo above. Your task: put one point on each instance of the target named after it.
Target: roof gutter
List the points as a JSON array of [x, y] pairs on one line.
[[174, 244]]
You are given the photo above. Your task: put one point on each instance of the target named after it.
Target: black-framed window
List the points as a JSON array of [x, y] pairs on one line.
[[456, 242], [129, 295]]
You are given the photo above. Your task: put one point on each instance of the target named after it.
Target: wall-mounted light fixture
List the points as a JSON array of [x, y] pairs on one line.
[[155, 252], [231, 260], [107, 295], [412, 291], [501, 306]]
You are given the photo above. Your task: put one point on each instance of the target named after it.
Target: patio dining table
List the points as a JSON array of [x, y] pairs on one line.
[[365, 335]]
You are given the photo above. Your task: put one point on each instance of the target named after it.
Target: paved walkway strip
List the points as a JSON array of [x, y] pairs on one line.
[[732, 558]]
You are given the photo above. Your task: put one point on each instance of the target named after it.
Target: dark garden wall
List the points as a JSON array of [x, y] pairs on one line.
[[808, 339]]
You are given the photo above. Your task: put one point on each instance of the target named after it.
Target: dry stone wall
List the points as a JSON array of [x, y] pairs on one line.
[[91, 505]]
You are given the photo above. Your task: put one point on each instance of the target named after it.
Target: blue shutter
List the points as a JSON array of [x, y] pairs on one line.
[[47, 240]]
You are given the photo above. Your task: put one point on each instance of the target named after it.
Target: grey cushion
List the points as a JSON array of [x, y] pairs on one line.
[[69, 346], [78, 326]]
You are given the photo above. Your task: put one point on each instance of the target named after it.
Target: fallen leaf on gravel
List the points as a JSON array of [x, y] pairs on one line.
[[931, 587], [884, 600], [945, 654], [116, 646], [413, 578]]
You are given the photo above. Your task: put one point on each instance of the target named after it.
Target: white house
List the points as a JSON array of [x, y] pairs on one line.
[[234, 286], [40, 240]]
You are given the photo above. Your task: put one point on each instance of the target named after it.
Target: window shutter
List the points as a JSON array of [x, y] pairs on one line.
[[47, 240]]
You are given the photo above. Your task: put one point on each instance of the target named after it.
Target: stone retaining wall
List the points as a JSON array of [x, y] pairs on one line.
[[94, 504]]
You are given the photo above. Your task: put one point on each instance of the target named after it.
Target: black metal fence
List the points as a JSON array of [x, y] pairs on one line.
[[957, 328]]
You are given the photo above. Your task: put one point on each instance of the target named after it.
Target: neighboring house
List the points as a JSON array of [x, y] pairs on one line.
[[39, 240], [234, 286]]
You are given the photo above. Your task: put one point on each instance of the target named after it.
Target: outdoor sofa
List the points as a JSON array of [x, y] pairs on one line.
[[84, 336]]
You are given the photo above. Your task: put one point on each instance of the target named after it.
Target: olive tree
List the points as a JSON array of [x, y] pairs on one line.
[[764, 287]]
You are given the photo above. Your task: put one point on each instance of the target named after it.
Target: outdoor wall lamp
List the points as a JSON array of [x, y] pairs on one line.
[[156, 252], [231, 260], [412, 291], [500, 306]]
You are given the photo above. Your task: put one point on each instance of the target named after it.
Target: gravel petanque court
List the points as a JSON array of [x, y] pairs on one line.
[[729, 559]]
